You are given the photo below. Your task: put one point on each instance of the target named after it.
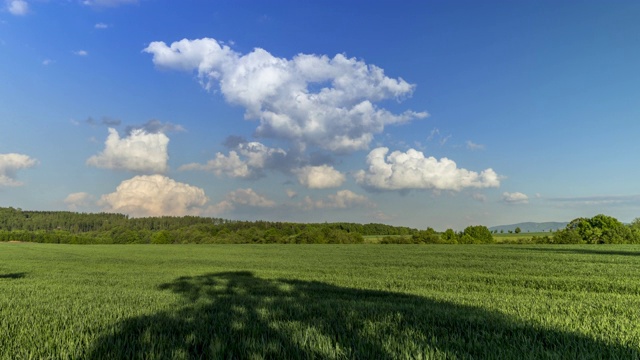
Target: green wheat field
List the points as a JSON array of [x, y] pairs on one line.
[[319, 301]]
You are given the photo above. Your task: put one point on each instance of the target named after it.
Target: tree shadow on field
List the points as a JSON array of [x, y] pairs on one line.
[[235, 315], [13, 275]]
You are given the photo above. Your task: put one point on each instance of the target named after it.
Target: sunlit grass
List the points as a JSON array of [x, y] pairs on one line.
[[319, 301]]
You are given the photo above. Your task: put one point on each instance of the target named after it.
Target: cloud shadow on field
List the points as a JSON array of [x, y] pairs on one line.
[[238, 315], [13, 275]]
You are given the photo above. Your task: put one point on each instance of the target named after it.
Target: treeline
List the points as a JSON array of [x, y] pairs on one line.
[[104, 228], [471, 235], [66, 227], [600, 229]]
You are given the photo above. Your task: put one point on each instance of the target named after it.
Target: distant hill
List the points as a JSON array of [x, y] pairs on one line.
[[531, 226]]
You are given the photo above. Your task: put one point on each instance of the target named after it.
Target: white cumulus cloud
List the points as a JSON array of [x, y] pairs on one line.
[[140, 151], [17, 7], [9, 166], [309, 99], [412, 170], [342, 199], [515, 198], [78, 200], [319, 177], [247, 160], [155, 195], [81, 52]]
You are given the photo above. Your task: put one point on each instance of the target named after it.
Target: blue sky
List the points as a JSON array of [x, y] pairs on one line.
[[416, 113]]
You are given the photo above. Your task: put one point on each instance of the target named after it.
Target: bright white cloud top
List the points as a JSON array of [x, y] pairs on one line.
[[412, 170], [319, 177], [140, 151], [155, 195], [341, 116], [9, 166]]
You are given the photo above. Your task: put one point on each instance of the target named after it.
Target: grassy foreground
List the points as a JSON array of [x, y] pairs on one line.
[[319, 301]]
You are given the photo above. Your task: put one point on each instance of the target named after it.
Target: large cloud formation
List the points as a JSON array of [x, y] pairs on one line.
[[309, 99], [155, 195], [412, 170], [140, 151], [9, 166]]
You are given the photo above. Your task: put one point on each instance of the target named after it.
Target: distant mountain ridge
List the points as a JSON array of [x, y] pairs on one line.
[[531, 226]]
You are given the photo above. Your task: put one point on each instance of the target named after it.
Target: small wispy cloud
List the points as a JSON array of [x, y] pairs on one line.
[[381, 216], [155, 126], [436, 135], [515, 198], [291, 193], [107, 121], [241, 198], [47, 62], [473, 146], [108, 3], [101, 26], [597, 200], [343, 199], [479, 197], [17, 7], [81, 53]]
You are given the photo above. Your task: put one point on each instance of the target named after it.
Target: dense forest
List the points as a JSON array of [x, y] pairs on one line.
[[66, 227], [106, 228]]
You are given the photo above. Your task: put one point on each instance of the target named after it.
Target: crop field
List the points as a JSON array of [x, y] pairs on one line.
[[319, 301]]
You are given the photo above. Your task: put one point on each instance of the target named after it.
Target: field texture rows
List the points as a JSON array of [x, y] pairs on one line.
[[319, 301]]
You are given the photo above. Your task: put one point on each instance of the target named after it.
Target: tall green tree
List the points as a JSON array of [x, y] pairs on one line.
[[477, 234], [449, 236], [600, 229]]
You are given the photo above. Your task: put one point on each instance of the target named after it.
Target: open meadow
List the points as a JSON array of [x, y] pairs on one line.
[[319, 301]]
